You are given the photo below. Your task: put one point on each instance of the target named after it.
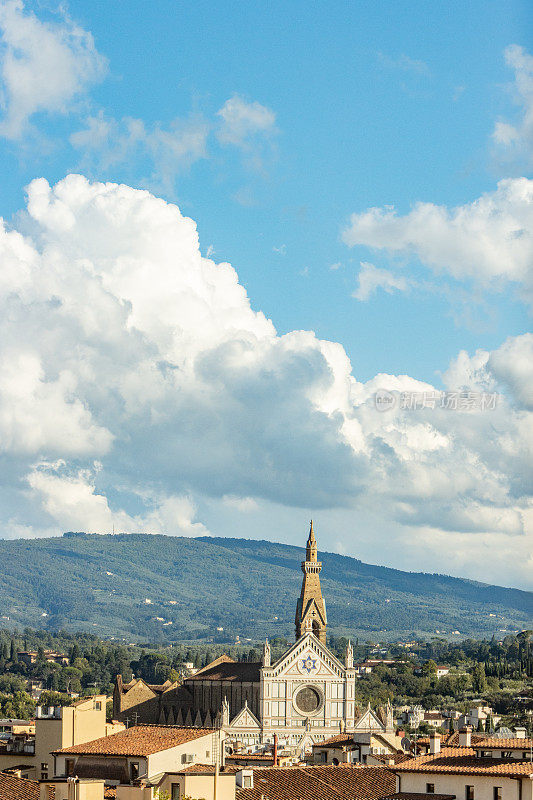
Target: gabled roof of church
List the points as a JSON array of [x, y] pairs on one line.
[[245, 718], [225, 668], [314, 643]]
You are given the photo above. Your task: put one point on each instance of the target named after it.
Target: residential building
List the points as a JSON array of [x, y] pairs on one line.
[[9, 727], [29, 657], [356, 748], [480, 718], [490, 769], [55, 728], [434, 718], [142, 752]]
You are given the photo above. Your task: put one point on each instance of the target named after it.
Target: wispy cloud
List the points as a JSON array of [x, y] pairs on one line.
[[44, 66], [371, 279], [106, 141], [515, 140], [250, 127], [241, 121], [404, 63]]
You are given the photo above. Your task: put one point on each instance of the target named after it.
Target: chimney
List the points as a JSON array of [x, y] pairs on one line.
[[520, 733], [465, 736], [434, 743], [275, 749], [244, 778]]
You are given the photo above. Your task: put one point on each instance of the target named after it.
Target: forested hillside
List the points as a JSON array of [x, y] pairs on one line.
[[164, 588]]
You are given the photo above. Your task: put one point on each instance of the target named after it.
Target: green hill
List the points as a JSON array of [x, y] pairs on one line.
[[164, 588]]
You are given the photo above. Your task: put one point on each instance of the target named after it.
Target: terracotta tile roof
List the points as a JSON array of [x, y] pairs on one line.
[[396, 758], [463, 761], [208, 769], [12, 788], [140, 740], [340, 740], [345, 782], [452, 740], [492, 743], [266, 758]]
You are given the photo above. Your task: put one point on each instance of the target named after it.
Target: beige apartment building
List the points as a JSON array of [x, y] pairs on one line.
[[489, 769], [56, 728]]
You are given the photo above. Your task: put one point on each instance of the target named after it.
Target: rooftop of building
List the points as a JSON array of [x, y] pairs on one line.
[[13, 788], [463, 761], [419, 796], [140, 740], [208, 769], [452, 740], [265, 758], [493, 743], [339, 740], [225, 668], [158, 688], [392, 758], [345, 782]]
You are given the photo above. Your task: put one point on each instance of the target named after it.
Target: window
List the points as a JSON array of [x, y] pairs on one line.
[[469, 793], [430, 788], [134, 771], [497, 793], [98, 705], [208, 754], [44, 765], [337, 708], [247, 782], [507, 754], [175, 791], [69, 767]]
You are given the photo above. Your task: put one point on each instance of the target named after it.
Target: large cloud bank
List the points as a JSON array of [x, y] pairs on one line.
[[136, 378]]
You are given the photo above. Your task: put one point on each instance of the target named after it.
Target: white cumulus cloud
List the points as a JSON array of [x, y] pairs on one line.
[[487, 241]]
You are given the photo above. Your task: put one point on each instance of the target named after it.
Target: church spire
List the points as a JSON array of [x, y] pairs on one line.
[[311, 550], [311, 608]]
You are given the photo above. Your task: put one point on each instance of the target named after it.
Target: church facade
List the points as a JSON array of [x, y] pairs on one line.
[[304, 697]]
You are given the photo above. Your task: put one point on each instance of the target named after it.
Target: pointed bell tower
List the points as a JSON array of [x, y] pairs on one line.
[[311, 608]]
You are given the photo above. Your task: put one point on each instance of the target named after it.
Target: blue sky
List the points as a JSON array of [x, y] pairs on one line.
[[271, 126]]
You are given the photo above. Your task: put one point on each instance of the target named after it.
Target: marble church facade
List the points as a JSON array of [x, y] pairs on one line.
[[304, 697]]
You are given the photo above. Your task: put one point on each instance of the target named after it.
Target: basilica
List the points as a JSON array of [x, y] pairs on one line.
[[304, 697]]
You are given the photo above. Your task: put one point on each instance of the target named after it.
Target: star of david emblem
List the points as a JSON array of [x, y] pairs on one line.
[[308, 664]]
